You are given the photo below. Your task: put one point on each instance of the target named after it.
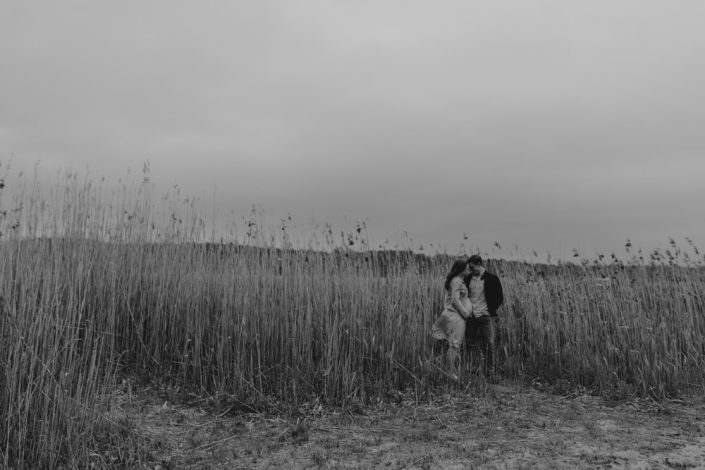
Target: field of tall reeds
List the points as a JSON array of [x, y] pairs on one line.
[[94, 287]]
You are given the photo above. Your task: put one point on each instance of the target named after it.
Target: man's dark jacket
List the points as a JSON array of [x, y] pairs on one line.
[[493, 291]]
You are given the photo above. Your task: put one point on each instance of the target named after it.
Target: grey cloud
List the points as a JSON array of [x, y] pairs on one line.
[[570, 121]]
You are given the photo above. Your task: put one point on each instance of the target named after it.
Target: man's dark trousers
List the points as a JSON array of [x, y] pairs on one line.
[[484, 326]]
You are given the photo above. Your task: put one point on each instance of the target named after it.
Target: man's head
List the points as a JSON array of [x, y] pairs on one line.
[[476, 265]]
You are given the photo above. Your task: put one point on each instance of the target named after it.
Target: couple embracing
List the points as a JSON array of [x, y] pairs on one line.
[[472, 297]]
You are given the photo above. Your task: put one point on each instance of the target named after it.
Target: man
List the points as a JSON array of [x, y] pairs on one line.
[[485, 294]]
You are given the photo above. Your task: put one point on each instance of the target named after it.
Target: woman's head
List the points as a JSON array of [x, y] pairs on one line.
[[459, 268]]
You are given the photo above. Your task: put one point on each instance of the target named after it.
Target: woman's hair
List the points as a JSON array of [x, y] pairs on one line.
[[458, 267]]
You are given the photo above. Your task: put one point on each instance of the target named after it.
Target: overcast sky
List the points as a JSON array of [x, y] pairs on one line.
[[550, 125]]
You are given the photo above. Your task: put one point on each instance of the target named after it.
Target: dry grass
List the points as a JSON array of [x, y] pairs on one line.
[[476, 426], [92, 287]]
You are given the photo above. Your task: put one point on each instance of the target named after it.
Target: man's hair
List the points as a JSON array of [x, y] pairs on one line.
[[476, 260]]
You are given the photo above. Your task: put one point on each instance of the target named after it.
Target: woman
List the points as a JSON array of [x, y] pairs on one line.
[[450, 326]]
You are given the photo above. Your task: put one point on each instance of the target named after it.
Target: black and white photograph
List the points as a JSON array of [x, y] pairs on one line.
[[393, 234]]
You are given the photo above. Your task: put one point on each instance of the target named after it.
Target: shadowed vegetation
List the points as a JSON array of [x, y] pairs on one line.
[[93, 287]]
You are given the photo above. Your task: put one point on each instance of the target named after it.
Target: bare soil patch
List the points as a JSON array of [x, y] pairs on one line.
[[484, 426]]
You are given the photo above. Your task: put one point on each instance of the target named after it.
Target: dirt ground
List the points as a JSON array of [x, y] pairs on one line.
[[483, 426]]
